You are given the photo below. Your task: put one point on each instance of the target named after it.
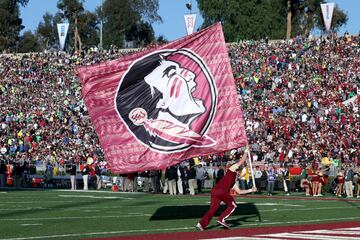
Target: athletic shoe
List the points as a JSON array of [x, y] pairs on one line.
[[320, 195], [358, 197], [223, 223], [199, 227]]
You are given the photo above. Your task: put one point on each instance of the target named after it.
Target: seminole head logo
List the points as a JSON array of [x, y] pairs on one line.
[[167, 100]]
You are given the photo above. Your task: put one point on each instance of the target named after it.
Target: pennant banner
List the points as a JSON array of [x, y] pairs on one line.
[[158, 107], [190, 23], [327, 10], [62, 33]]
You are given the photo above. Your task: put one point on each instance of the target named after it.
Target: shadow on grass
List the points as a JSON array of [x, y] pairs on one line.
[[245, 212]]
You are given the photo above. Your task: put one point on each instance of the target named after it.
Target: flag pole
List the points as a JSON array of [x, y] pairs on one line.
[[251, 168]]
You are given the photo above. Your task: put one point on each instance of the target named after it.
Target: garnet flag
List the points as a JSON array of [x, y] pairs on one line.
[[157, 107]]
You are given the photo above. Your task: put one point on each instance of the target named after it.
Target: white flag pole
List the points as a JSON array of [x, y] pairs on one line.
[[251, 168]]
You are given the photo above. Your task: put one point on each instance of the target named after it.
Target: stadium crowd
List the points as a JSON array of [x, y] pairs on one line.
[[299, 100]]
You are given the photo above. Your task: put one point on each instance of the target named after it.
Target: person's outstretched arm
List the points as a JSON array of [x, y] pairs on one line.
[[246, 191], [235, 166]]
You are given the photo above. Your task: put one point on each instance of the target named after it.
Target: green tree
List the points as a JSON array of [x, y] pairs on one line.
[[72, 11], [83, 25], [141, 34], [314, 18], [161, 40], [245, 19], [124, 19], [304, 16], [10, 23], [47, 31], [255, 19], [29, 43], [88, 25]]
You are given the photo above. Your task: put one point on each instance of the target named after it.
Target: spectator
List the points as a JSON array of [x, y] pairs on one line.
[[349, 177], [271, 177], [146, 178], [181, 178], [2, 174], [192, 179], [155, 180], [358, 182], [340, 182], [258, 174], [98, 176], [286, 180], [200, 177], [72, 171], [85, 175], [171, 175], [242, 177]]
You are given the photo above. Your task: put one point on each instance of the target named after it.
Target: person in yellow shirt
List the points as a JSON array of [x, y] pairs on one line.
[[242, 178]]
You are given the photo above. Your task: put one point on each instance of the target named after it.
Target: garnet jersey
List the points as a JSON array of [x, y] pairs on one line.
[[227, 182]]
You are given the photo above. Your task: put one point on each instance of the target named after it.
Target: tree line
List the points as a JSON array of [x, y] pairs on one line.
[[275, 19], [123, 22], [130, 21]]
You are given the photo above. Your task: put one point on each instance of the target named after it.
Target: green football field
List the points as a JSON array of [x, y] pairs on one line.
[[56, 214]]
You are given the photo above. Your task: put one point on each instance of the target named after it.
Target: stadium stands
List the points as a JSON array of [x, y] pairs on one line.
[[291, 92]]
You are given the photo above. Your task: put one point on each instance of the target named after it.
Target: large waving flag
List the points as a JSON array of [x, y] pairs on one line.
[[155, 108]]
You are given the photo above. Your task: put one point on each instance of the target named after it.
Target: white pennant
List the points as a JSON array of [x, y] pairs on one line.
[[190, 23], [62, 33], [327, 10]]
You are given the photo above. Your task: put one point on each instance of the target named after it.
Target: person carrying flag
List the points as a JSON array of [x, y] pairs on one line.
[[220, 193]]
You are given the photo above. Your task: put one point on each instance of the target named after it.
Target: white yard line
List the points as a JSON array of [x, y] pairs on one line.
[[300, 221], [333, 231], [349, 229], [313, 234], [31, 224], [37, 202], [305, 209], [306, 236], [96, 191], [99, 233], [96, 197], [241, 238], [71, 217]]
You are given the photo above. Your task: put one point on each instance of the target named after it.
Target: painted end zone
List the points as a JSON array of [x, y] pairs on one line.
[[337, 230]]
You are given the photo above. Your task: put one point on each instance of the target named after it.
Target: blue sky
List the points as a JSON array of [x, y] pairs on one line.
[[172, 12]]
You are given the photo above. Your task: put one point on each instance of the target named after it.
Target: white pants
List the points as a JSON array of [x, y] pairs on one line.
[[166, 186], [73, 182], [85, 179], [172, 187], [180, 186], [348, 188], [98, 182], [192, 186], [285, 186]]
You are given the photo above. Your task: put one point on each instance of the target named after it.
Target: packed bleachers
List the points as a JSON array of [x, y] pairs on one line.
[[299, 99], [293, 94]]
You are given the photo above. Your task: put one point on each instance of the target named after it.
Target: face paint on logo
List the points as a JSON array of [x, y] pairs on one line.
[[167, 100]]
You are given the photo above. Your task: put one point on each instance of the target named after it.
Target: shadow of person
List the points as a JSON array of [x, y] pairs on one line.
[[245, 211]]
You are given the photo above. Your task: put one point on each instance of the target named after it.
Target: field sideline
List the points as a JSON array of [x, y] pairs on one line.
[[62, 214]]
